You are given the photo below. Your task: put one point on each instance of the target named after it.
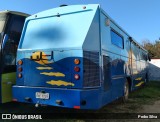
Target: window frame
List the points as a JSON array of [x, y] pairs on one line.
[[112, 30]]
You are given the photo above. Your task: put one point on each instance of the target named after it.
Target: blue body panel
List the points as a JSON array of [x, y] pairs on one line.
[[41, 72], [69, 97], [81, 32]]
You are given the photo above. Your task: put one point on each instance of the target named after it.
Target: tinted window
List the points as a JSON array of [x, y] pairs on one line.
[[14, 32], [143, 55], [10, 53], [116, 39], [14, 29], [135, 51]]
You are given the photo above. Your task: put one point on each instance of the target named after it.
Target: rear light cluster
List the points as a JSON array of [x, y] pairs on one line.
[[77, 69], [76, 76], [20, 62], [77, 61]]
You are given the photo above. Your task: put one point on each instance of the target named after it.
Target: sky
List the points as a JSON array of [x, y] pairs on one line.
[[139, 18]]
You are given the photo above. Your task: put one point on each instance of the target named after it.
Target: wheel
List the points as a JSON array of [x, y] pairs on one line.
[[126, 91]]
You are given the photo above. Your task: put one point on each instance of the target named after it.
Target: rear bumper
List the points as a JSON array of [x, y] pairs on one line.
[[70, 98]]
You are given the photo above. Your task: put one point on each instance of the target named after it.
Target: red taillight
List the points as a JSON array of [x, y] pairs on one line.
[[14, 100], [77, 69], [20, 62], [20, 69], [76, 61], [20, 75], [76, 76], [76, 107]]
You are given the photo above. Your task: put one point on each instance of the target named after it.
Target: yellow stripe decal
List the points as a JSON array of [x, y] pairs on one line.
[[57, 74], [60, 83], [140, 83], [135, 72], [140, 78], [43, 68]]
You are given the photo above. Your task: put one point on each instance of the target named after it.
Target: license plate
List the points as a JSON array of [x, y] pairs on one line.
[[42, 95]]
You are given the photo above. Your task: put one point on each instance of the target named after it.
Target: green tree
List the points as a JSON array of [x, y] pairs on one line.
[[153, 48]]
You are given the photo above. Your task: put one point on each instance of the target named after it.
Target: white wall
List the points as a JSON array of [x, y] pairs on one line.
[[154, 69]]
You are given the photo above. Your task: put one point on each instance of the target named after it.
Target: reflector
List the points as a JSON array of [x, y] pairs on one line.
[[20, 75], [20, 62], [77, 69], [76, 61], [76, 76], [20, 69]]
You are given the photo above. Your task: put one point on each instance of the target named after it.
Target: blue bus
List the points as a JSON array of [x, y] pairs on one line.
[[77, 57]]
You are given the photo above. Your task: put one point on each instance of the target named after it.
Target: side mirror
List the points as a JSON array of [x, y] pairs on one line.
[[4, 40], [149, 58]]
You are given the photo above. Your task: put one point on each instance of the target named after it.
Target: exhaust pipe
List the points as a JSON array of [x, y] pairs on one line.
[[37, 104]]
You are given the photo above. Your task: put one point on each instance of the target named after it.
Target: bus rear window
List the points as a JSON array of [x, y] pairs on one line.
[[56, 32]]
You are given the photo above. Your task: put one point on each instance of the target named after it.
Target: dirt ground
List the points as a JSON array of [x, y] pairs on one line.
[[21, 108], [155, 108], [115, 107]]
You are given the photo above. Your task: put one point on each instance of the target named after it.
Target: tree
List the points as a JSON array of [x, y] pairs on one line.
[[153, 48]]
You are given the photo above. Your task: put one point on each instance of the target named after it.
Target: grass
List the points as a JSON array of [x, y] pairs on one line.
[[147, 94]]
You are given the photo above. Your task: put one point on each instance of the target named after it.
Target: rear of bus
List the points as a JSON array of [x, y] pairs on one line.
[[58, 58]]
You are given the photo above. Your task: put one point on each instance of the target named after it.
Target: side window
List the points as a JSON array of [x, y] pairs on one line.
[[10, 53], [144, 57], [140, 54], [14, 29], [117, 39]]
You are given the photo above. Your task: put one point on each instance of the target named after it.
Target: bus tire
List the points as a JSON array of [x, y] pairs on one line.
[[125, 92]]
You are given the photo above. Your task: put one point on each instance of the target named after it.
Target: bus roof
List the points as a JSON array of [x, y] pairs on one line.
[[62, 10], [43, 26], [14, 12]]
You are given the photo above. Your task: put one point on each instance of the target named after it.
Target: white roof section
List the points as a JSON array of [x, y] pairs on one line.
[[14, 12]]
